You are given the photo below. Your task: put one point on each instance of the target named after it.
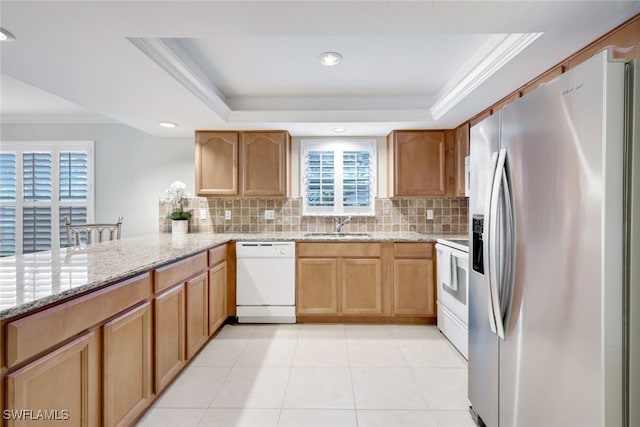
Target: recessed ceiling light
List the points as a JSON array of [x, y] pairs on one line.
[[6, 36], [338, 130], [329, 58], [167, 124]]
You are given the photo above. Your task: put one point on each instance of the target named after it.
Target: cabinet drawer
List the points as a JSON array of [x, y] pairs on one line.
[[351, 250], [179, 271], [217, 255], [33, 334], [413, 250]]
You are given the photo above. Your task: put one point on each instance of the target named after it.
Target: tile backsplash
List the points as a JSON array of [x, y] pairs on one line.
[[247, 216]]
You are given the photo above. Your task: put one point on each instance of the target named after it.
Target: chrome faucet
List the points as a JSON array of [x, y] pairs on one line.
[[338, 223]]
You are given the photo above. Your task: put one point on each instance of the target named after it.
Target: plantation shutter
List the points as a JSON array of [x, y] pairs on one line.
[[78, 215], [40, 184], [320, 173], [338, 177], [36, 228], [356, 178], [7, 195], [73, 176]]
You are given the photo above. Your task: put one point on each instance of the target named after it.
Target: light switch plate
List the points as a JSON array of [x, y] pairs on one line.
[[227, 214], [429, 214], [203, 214], [269, 214]]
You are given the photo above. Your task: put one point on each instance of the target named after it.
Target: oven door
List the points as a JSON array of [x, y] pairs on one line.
[[454, 293]]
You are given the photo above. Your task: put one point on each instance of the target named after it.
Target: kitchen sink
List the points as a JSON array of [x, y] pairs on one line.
[[339, 235]]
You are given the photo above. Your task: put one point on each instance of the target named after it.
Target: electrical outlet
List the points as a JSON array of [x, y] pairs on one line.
[[269, 214], [203, 214], [429, 214], [227, 214]]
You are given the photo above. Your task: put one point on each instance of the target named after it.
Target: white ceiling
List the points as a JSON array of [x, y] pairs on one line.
[[253, 65]]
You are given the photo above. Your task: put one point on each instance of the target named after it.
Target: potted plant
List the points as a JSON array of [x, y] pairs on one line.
[[174, 195]]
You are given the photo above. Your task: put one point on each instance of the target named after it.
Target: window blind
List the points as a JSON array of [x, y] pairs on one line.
[[78, 215], [320, 172], [40, 184], [7, 230], [356, 178], [7, 176], [36, 228], [73, 176], [36, 176], [338, 177]]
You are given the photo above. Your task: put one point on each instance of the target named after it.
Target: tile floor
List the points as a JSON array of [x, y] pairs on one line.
[[319, 375]]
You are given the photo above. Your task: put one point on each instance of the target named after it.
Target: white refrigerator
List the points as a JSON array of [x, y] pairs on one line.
[[554, 257]]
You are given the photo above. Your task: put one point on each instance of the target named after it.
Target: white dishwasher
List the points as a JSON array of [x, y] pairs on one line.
[[266, 282]]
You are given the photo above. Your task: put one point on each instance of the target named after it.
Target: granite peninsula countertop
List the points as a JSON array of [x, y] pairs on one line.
[[31, 281]]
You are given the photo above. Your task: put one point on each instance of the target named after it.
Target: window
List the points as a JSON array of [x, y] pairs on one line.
[[338, 177], [41, 184]]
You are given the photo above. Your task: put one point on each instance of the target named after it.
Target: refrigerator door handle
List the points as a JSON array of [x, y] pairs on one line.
[[495, 261], [507, 269], [487, 247]]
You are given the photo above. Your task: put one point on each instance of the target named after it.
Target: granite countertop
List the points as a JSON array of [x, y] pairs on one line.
[[31, 281]]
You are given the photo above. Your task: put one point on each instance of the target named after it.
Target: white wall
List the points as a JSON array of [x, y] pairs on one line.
[[132, 168]]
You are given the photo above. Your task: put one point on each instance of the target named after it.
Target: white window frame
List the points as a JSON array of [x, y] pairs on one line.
[[338, 146], [53, 147]]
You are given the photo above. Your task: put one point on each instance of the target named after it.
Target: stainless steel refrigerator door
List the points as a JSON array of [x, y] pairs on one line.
[[559, 358], [483, 344], [633, 245]]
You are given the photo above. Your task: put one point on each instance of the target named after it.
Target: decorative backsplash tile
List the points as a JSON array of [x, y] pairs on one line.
[[247, 216]]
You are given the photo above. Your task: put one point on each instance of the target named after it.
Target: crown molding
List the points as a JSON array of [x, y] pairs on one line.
[[506, 49], [330, 116]]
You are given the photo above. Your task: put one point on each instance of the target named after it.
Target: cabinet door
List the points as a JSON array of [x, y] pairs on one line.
[[217, 296], [265, 163], [418, 163], [66, 381], [361, 286], [128, 368], [169, 348], [317, 287], [197, 314], [462, 151], [413, 287], [217, 163]]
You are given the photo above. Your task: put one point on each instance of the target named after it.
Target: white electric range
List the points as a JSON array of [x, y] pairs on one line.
[[453, 291]]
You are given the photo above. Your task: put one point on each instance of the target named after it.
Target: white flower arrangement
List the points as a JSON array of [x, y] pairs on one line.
[[174, 196]]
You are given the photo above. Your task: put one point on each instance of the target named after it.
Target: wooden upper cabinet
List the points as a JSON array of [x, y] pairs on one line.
[[217, 163], [462, 151], [265, 163], [251, 163], [420, 163]]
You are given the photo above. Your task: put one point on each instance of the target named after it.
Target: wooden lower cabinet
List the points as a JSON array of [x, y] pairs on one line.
[[197, 314], [317, 289], [361, 286], [217, 296], [339, 279], [366, 282], [127, 366], [169, 348], [414, 291], [65, 382]]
